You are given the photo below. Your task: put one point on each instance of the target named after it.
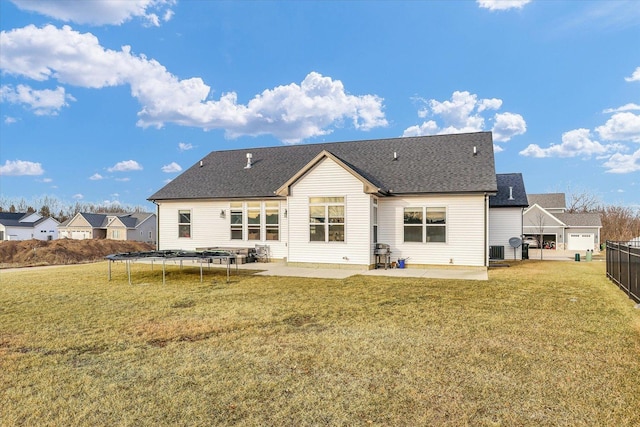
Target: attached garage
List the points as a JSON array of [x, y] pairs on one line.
[[580, 241]]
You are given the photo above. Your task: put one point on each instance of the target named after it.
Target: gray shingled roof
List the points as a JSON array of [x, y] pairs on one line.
[[100, 220], [548, 201], [501, 199], [425, 164], [580, 219], [12, 219]]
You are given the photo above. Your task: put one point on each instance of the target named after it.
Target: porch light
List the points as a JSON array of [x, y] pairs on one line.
[[223, 214], [285, 213]]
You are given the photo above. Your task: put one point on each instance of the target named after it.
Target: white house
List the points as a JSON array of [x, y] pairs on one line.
[[25, 226], [426, 197], [506, 209], [547, 221]]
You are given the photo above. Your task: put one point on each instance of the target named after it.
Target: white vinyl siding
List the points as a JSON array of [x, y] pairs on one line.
[[505, 223], [465, 230], [208, 227], [328, 179]]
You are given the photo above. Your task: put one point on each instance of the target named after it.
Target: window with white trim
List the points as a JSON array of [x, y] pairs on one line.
[[425, 224], [375, 220], [184, 223], [236, 215], [253, 221], [272, 220], [257, 221], [326, 219]]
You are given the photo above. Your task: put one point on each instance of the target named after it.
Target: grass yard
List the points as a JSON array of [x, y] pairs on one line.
[[540, 343]]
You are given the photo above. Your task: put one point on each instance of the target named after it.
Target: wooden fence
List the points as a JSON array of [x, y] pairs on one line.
[[623, 267]]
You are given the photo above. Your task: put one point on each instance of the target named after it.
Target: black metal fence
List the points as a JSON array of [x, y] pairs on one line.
[[623, 267]]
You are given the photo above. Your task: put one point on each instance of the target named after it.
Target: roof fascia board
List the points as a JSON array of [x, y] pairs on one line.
[[368, 187], [544, 211]]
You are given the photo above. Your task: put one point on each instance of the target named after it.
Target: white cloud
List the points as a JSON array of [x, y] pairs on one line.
[[96, 177], [123, 179], [623, 163], [575, 143], [43, 102], [497, 148], [290, 112], [621, 127], [100, 12], [502, 4], [461, 114], [184, 146], [125, 166], [635, 76], [171, 168], [78, 196], [47, 180], [627, 107], [20, 168], [508, 125], [9, 120]]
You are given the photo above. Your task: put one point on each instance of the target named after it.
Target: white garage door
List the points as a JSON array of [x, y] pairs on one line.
[[580, 241], [78, 235]]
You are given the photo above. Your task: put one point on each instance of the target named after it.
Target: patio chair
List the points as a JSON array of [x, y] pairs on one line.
[[262, 253]]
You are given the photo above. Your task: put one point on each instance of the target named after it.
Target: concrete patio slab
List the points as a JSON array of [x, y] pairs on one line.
[[278, 269]]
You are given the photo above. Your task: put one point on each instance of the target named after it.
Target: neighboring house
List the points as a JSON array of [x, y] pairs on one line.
[[506, 216], [547, 217], [117, 226], [426, 197], [25, 226]]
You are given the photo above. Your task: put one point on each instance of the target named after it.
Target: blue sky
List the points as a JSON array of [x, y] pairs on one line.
[[106, 101]]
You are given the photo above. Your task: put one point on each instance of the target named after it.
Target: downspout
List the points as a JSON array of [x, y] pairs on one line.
[[486, 230], [157, 225]]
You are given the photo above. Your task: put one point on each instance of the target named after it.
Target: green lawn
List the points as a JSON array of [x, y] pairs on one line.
[[540, 343]]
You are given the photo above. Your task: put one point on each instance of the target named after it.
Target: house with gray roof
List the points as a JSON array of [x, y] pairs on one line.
[[426, 197], [27, 225], [506, 209], [139, 226], [547, 221]]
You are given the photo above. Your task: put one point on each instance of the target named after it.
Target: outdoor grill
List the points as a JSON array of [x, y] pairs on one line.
[[382, 253]]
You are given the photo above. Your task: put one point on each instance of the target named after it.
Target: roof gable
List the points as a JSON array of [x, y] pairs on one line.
[[284, 190], [536, 216], [580, 219], [415, 165]]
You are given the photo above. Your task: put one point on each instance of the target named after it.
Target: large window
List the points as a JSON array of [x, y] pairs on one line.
[[257, 221], [184, 223], [326, 219], [425, 224]]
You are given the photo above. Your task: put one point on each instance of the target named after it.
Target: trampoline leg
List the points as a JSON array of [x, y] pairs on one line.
[[163, 281], [129, 270]]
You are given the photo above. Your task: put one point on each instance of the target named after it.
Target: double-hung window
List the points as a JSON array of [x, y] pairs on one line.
[[425, 224], [253, 220], [272, 220], [326, 219], [236, 221], [184, 223]]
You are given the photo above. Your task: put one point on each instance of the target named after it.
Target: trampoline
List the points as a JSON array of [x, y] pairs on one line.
[[174, 256]]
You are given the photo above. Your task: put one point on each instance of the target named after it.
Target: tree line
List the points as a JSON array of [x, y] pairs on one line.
[[61, 211]]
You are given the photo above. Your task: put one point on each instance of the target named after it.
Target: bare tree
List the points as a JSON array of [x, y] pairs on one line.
[[583, 202]]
